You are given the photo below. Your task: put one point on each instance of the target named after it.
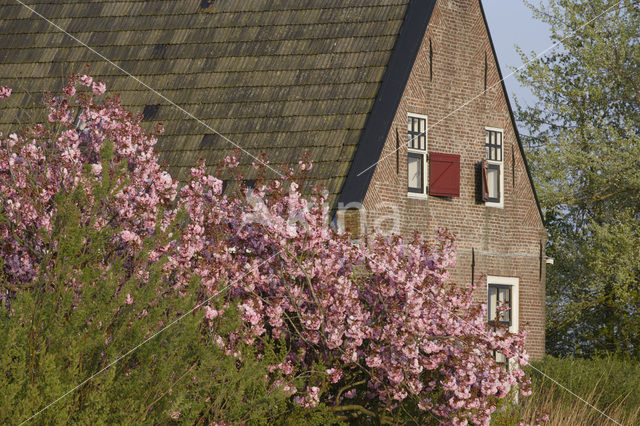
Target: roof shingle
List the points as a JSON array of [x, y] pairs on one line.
[[282, 77]]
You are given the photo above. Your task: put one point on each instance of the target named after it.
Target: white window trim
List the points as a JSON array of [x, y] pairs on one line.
[[498, 205], [416, 196], [514, 282], [425, 162]]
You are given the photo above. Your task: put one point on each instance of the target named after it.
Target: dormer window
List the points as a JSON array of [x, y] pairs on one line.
[[494, 148], [417, 154]]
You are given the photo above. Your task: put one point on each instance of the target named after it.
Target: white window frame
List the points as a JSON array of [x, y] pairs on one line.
[[514, 283], [499, 204], [419, 195]]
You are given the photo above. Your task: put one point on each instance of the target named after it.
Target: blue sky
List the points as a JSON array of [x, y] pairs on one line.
[[511, 23]]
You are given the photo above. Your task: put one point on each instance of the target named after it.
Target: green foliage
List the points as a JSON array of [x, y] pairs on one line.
[[584, 146], [104, 333], [614, 380], [609, 383]]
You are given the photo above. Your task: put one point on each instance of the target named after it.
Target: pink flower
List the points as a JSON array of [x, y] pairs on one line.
[[131, 237], [350, 394], [334, 374], [70, 91], [5, 92], [96, 169], [231, 162], [99, 87], [387, 304], [175, 415], [210, 313], [85, 80]]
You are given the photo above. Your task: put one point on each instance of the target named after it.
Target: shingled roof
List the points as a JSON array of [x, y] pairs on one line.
[[282, 77]]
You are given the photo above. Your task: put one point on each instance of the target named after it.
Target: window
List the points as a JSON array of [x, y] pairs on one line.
[[499, 296], [495, 167], [503, 291], [417, 153]]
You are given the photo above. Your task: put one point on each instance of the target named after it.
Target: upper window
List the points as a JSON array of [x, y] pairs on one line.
[[494, 149], [417, 153]]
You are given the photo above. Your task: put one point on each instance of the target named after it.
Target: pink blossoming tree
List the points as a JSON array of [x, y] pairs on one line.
[[375, 329]]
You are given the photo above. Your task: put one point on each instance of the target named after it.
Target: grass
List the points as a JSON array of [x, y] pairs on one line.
[[612, 385]]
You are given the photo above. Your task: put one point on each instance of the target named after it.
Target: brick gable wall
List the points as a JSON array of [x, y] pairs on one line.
[[507, 241]]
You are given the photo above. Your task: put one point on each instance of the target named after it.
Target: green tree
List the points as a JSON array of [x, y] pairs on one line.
[[54, 336], [584, 146]]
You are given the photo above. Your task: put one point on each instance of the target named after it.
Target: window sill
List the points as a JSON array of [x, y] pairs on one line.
[[494, 205], [416, 196]]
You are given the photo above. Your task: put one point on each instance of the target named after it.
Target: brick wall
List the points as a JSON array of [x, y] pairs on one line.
[[506, 241]]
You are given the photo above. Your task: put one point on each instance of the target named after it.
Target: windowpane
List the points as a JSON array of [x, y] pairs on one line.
[[499, 296], [417, 133], [415, 172], [493, 293], [504, 300], [494, 145], [493, 180]]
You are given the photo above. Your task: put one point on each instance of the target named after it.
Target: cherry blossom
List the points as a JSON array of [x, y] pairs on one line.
[[375, 324], [5, 92]]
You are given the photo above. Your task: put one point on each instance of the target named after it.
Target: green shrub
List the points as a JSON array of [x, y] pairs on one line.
[[608, 383], [55, 336], [616, 381]]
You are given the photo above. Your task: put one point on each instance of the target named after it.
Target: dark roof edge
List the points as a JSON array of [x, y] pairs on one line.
[[513, 119], [387, 101]]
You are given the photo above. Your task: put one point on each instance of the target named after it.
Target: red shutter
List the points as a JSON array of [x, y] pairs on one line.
[[444, 174], [482, 186]]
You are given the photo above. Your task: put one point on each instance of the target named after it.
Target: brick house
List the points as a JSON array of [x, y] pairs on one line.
[[399, 104]]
